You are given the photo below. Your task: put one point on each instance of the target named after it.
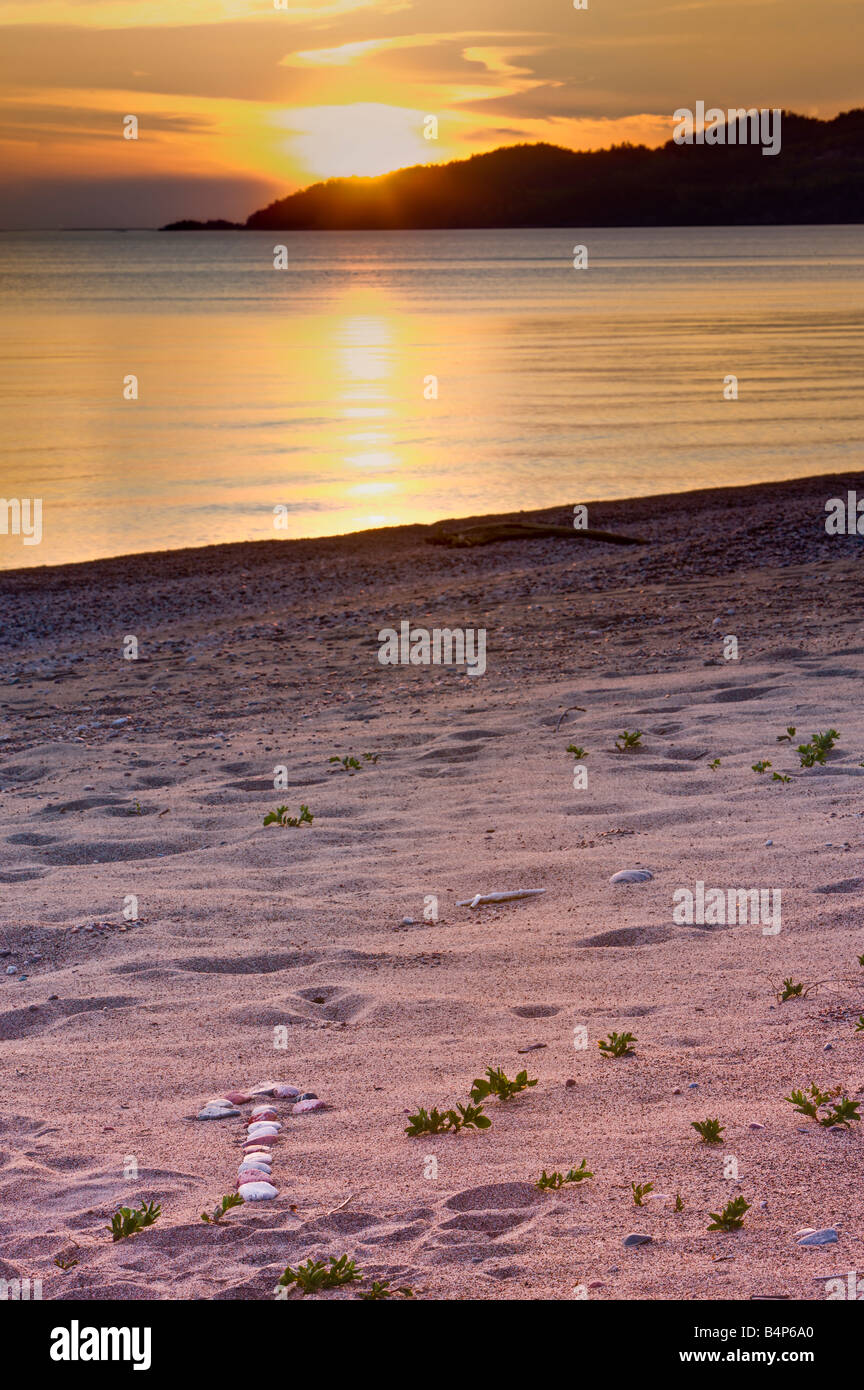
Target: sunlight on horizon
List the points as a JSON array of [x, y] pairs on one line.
[[363, 139]]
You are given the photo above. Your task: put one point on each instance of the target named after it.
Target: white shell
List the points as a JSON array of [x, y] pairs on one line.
[[257, 1191], [263, 1112], [271, 1127], [631, 876]]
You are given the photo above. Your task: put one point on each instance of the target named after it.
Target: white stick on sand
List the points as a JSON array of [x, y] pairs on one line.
[[480, 898]]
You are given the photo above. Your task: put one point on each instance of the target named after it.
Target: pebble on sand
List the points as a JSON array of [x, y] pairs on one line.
[[257, 1191], [826, 1237], [638, 1240], [286, 1092], [218, 1110], [303, 1106], [631, 876]]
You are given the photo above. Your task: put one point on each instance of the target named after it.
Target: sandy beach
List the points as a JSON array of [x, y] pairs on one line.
[[301, 955]]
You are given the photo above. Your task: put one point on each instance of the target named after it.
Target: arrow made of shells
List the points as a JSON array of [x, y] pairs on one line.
[[262, 1131]]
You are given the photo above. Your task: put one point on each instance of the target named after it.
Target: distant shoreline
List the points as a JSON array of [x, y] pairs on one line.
[[626, 513]]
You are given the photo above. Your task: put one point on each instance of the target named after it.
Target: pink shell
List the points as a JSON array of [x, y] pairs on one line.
[[264, 1141], [260, 1173], [303, 1106], [286, 1092], [264, 1112], [237, 1097]]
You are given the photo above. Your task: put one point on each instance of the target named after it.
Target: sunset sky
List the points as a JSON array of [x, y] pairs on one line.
[[242, 101]]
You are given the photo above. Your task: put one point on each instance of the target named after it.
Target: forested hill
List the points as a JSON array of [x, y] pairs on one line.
[[818, 176]]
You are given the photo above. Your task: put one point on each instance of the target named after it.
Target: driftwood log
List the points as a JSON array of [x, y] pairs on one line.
[[525, 530]]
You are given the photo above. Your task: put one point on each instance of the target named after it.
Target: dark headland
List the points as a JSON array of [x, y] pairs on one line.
[[817, 178]]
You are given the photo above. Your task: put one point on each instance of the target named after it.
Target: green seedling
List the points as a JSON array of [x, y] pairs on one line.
[[618, 1045], [779, 777], [791, 990], [840, 1109], [640, 1190], [315, 1275], [809, 1104], [788, 736], [495, 1083], [232, 1199], [64, 1264], [468, 1117], [435, 1122], [281, 817], [731, 1218], [843, 1112], [859, 1026], [679, 1202], [861, 961], [447, 1121], [552, 1181], [578, 753], [818, 748], [710, 1130], [761, 766], [714, 764], [380, 1288], [127, 1222], [627, 740], [371, 758], [350, 764]]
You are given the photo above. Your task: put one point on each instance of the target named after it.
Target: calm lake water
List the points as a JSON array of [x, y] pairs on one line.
[[306, 388]]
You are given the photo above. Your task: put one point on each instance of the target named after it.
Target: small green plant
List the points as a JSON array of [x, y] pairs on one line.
[[818, 748], [232, 1199], [843, 1112], [447, 1121], [860, 960], [127, 1222], [761, 766], [731, 1218], [64, 1264], [380, 1288], [281, 817], [714, 764], [859, 1026], [780, 777], [627, 740], [809, 1103], [371, 758], [788, 736], [710, 1130], [617, 1045], [552, 1181], [679, 1202], [349, 764], [495, 1083], [640, 1190], [791, 990], [315, 1275], [578, 753], [840, 1109], [435, 1122]]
